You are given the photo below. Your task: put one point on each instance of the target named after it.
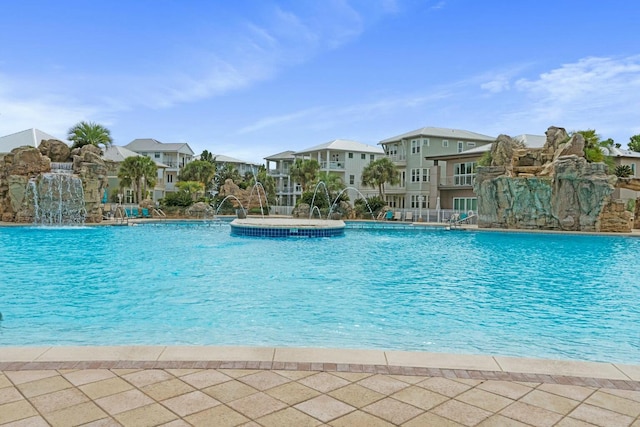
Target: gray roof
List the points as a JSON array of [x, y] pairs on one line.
[[116, 153], [150, 144], [441, 133], [31, 137], [617, 152], [532, 141], [285, 155], [343, 145], [221, 158]]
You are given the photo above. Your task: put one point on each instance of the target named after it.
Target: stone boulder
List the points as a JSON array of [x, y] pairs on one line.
[[55, 150], [26, 161], [502, 150], [576, 197], [556, 136], [581, 191], [615, 218]]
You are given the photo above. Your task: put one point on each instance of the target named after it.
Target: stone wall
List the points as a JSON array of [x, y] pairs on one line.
[[553, 188], [25, 163]]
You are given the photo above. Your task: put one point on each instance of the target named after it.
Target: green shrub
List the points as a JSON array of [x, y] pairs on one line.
[[623, 171], [631, 205], [485, 160], [593, 154], [179, 198], [376, 203]]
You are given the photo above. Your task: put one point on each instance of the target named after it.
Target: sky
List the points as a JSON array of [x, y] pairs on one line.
[[252, 78]]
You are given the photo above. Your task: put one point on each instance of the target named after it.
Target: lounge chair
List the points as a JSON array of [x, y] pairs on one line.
[[408, 216], [397, 216], [145, 213], [388, 216]]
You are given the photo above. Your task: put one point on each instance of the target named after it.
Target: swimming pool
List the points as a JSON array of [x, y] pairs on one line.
[[531, 295]]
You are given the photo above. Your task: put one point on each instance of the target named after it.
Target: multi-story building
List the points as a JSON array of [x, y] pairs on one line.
[[174, 155], [279, 167], [453, 175], [340, 157], [346, 159], [409, 152], [114, 155], [241, 166]]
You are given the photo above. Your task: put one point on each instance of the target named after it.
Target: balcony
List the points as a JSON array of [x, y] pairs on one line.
[[278, 173], [398, 159], [332, 165], [458, 181]]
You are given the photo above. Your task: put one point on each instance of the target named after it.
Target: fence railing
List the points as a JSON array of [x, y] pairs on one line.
[[457, 180]]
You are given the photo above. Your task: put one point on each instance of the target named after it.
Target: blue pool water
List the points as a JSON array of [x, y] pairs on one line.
[[550, 296]]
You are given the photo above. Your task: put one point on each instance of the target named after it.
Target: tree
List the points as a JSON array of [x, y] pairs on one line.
[[380, 172], [138, 172], [634, 143], [201, 171], [208, 157], [85, 133], [596, 149], [191, 187], [226, 171], [268, 183], [304, 172]]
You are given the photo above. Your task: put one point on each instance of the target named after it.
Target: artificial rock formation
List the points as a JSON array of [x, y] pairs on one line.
[[25, 163], [550, 188]]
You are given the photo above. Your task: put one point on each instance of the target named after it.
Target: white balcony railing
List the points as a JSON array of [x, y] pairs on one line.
[[332, 165], [457, 180]]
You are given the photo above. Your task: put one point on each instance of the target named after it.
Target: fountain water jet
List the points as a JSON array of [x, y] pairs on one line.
[[361, 195]]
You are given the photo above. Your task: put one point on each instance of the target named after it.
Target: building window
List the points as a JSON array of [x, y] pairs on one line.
[[465, 204], [415, 175], [426, 173], [351, 155], [415, 201], [352, 179], [392, 150], [425, 142], [460, 146], [372, 157], [403, 177], [445, 143], [169, 178], [363, 156], [633, 169], [156, 155], [471, 144], [415, 146], [463, 173]]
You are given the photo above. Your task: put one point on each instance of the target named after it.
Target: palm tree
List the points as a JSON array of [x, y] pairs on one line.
[[136, 172], [85, 133], [201, 171], [596, 149], [379, 172], [304, 172]]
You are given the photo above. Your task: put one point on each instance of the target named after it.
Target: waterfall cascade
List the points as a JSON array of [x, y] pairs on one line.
[[58, 197]]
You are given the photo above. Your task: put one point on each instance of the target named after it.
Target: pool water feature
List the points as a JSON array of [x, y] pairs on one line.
[[529, 295]]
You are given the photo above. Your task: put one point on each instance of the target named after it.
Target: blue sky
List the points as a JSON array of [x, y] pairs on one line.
[[251, 78]]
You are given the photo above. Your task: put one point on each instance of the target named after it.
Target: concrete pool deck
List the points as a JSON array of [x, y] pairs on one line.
[[267, 386]]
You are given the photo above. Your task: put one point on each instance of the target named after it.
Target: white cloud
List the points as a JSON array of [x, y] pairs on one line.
[[497, 85], [324, 117], [597, 93], [50, 113]]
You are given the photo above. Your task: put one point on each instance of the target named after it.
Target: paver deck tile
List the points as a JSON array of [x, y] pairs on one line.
[[195, 393]]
